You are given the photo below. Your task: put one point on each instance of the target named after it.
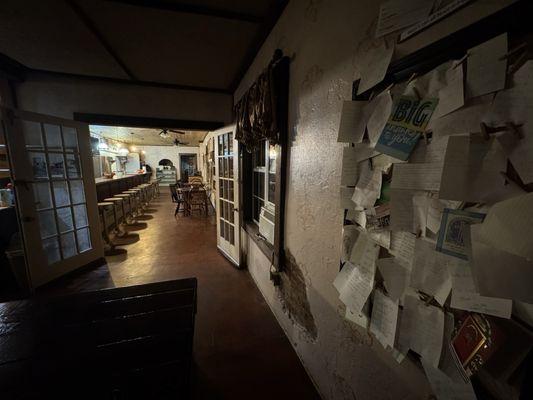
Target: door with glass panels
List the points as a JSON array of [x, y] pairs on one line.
[[56, 195], [227, 193]]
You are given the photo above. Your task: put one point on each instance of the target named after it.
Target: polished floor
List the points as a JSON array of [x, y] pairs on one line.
[[240, 351]]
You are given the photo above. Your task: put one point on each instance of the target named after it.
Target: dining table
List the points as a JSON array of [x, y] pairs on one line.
[[186, 190]]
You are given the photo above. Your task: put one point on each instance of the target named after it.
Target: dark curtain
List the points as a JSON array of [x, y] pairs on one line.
[[257, 111]]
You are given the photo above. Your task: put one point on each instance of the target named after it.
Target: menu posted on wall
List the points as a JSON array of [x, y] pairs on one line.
[[406, 123]]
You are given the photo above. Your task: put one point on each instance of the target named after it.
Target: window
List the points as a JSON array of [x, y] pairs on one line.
[[264, 179]]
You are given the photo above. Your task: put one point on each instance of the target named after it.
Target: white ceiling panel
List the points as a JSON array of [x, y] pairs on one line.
[[146, 136]]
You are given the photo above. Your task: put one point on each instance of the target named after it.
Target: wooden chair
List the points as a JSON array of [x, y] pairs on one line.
[[198, 199], [196, 180], [177, 197]]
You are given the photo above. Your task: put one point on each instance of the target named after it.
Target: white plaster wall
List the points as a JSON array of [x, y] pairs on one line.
[[156, 153], [62, 97], [323, 37]]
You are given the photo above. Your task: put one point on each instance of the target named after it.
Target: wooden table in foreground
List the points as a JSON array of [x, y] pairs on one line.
[[124, 343]]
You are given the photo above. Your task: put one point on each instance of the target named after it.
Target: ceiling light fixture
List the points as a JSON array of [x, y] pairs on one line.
[[123, 151]]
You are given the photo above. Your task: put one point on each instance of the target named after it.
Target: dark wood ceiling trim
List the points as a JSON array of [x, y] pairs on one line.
[[36, 72], [260, 37], [192, 9], [11, 69], [101, 38], [147, 122]]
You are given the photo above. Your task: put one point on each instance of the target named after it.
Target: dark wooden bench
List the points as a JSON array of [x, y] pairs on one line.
[[124, 343]]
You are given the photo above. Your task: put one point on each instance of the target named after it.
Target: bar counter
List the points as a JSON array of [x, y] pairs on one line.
[[108, 187]]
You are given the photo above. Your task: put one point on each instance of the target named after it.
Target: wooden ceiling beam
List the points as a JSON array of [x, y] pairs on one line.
[[193, 9], [147, 122], [89, 24], [121, 81]]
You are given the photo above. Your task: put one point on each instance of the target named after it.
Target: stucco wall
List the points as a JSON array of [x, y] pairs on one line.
[[62, 97], [323, 37], [154, 154]]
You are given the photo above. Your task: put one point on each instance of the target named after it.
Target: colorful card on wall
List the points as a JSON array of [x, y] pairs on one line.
[[454, 227], [406, 123]]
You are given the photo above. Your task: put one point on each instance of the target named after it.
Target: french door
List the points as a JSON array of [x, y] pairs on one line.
[[56, 196], [227, 193]]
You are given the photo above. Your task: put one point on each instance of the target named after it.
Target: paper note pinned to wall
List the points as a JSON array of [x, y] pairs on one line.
[[422, 329], [420, 212], [401, 210], [345, 198], [406, 123], [343, 275], [430, 271], [451, 97], [434, 17], [498, 273], [368, 187], [514, 105], [351, 157], [417, 176], [350, 233], [353, 122], [349, 172], [373, 65], [508, 226], [384, 318], [396, 276], [399, 14], [446, 388], [487, 67], [453, 232], [485, 305], [432, 152], [464, 120], [435, 209], [403, 246], [473, 169], [356, 279], [378, 110]]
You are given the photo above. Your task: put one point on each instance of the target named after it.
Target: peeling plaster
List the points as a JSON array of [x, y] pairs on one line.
[[293, 296]]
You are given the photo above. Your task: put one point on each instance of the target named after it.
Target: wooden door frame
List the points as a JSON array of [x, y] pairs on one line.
[[25, 207]]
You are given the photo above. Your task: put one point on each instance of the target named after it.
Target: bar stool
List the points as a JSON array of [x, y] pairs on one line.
[[127, 206], [136, 200], [145, 196], [118, 213], [120, 216], [108, 225], [140, 197]]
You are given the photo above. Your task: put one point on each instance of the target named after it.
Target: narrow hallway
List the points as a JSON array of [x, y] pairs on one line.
[[240, 351]]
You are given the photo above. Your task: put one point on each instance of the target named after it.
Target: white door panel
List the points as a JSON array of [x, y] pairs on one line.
[[54, 184], [227, 193]]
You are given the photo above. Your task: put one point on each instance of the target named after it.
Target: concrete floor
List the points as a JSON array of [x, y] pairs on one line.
[[240, 351]]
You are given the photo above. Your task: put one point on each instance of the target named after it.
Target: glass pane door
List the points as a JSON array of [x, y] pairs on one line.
[[227, 199], [58, 194], [54, 183]]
